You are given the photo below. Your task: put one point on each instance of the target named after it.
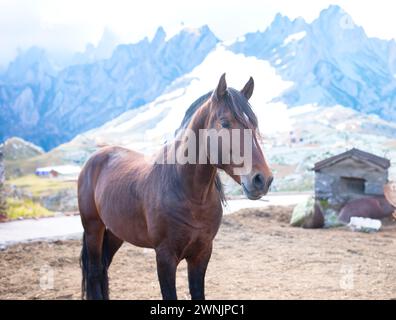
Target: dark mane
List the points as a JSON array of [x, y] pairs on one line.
[[184, 124], [241, 108], [191, 111]]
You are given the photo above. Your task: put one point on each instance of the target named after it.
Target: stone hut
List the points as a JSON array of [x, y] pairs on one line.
[[350, 175]]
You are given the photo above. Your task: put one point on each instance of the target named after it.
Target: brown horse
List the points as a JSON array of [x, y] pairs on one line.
[[176, 209]]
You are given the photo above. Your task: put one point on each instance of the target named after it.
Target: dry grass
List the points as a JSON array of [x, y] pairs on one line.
[[39, 186], [25, 208]]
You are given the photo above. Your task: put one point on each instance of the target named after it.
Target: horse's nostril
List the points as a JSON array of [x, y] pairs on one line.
[[259, 181], [270, 180]]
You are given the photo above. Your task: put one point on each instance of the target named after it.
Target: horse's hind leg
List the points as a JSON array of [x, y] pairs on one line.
[[95, 281], [113, 244], [99, 247]]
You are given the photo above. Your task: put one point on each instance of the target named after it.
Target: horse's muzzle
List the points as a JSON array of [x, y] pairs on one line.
[[257, 186]]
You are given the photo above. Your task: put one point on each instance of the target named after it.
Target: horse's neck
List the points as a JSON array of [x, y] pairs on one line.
[[198, 179]]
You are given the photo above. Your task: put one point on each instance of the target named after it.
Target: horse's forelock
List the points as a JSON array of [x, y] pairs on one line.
[[234, 100], [241, 109]]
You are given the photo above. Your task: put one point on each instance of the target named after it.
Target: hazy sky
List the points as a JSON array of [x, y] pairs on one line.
[[67, 25]]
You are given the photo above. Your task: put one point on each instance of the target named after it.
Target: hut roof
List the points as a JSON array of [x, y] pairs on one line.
[[355, 154]]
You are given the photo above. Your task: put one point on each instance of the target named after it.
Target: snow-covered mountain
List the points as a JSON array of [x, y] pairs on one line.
[[19, 149], [50, 108], [143, 89], [154, 123], [331, 62], [294, 138], [103, 50]]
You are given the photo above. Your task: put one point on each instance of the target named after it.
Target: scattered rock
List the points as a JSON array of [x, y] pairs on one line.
[[365, 224]]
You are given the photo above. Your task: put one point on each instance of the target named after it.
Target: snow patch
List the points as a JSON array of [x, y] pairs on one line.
[[295, 37], [302, 110], [146, 128]]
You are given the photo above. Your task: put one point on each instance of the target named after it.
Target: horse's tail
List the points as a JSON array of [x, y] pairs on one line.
[[84, 267], [106, 263], [84, 264]]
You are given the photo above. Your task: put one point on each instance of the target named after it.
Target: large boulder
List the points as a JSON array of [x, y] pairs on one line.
[[372, 208], [308, 215]]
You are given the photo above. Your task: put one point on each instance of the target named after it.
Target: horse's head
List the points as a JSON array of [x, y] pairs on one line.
[[230, 111]]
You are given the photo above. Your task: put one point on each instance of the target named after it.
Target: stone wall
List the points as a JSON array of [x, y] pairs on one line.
[[329, 183]]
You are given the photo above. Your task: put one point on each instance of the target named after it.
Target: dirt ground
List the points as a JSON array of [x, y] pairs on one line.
[[256, 256]]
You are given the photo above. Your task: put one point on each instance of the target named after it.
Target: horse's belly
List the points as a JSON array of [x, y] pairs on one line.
[[130, 227]]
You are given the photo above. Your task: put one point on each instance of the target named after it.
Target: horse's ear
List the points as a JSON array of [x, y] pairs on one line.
[[221, 89], [247, 90]]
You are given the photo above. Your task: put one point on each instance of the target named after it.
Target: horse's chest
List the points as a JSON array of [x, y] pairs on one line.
[[207, 219], [205, 223], [185, 226]]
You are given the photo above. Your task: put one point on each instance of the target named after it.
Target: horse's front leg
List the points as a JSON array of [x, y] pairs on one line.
[[166, 269], [197, 266]]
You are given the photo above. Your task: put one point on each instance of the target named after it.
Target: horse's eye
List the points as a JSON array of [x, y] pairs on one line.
[[225, 124]]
